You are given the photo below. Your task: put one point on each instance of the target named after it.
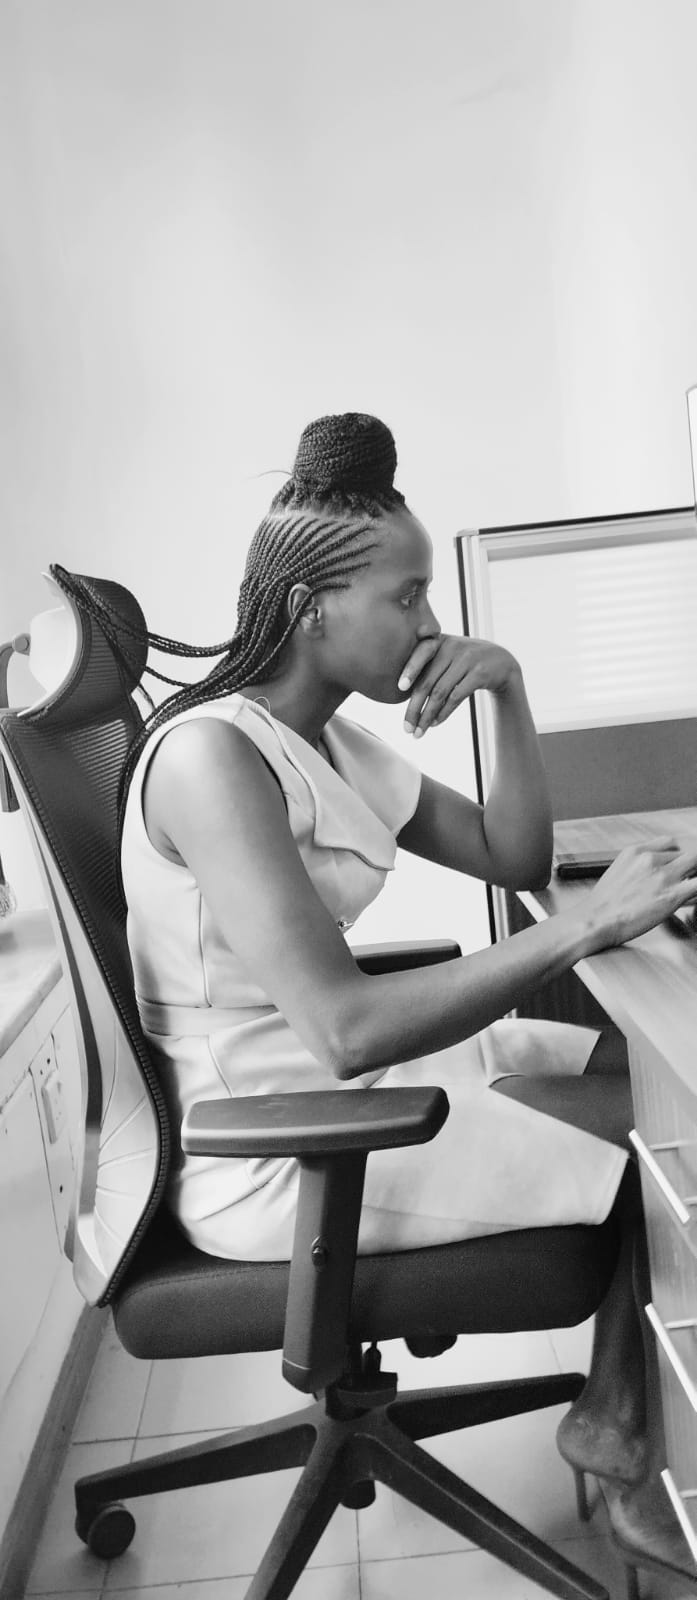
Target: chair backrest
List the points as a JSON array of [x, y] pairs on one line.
[[65, 756]]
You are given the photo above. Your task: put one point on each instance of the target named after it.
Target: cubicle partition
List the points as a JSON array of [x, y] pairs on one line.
[[602, 614]]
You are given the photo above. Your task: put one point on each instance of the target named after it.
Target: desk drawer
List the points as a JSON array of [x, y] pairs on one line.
[[677, 1357], [665, 1142], [666, 1145]]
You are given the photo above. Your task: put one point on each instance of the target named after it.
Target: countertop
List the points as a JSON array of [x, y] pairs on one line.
[[29, 969]]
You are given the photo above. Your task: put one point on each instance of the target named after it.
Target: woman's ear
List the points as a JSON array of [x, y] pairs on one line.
[[301, 599]]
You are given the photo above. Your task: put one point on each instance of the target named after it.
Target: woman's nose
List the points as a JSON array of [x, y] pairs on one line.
[[430, 625]]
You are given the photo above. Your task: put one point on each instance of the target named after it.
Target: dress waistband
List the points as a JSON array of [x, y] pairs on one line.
[[200, 1020]]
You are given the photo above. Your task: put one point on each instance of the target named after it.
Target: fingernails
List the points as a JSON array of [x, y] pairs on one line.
[[408, 728], [404, 682], [418, 733]]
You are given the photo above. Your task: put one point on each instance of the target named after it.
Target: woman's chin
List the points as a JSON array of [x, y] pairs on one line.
[[386, 695]]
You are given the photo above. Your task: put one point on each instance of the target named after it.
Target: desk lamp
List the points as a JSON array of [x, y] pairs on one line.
[[49, 646], [692, 421]]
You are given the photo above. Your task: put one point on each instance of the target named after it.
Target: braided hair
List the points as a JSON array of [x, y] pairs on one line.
[[319, 531]]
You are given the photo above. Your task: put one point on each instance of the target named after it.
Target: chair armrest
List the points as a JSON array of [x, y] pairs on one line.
[[401, 957], [331, 1133], [315, 1122]]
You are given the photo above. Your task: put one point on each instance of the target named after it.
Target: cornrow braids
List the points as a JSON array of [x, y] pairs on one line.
[[117, 628], [307, 547]]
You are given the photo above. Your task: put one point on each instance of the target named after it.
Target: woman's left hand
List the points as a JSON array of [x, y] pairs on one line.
[[444, 671]]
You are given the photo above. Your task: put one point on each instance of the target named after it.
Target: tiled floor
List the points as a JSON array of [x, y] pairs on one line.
[[204, 1544]]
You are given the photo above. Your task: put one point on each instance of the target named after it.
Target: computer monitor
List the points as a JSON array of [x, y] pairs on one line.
[[692, 420]]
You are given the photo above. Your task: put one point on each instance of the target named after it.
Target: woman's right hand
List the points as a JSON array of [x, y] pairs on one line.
[[644, 885]]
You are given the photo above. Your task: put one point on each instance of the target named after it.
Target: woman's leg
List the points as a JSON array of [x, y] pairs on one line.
[[605, 1430], [615, 1429], [640, 1515], [598, 1100]]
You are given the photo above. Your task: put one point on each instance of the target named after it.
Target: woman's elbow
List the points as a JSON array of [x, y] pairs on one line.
[[539, 874], [349, 1049], [534, 885], [346, 1059], [533, 881], [533, 873]]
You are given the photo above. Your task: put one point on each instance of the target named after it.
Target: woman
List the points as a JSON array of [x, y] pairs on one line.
[[259, 824]]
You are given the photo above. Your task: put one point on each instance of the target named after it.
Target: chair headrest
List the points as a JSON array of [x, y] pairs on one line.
[[110, 632]]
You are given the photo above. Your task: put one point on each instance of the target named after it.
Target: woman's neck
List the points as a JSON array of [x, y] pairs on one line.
[[305, 708]]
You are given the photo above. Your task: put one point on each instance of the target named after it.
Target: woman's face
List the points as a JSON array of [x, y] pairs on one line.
[[372, 627]]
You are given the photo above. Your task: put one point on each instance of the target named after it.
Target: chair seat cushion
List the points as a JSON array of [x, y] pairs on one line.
[[176, 1301]]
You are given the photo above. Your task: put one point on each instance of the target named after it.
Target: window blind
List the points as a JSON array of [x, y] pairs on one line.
[[605, 633]]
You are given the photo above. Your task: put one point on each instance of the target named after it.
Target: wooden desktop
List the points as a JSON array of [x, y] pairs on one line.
[[649, 989]]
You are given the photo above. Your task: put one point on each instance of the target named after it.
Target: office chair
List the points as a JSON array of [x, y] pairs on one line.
[[327, 1309]]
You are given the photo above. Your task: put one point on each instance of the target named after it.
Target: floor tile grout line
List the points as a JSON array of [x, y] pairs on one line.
[[358, 1553], [555, 1357], [125, 1439], [146, 1391], [183, 1583]]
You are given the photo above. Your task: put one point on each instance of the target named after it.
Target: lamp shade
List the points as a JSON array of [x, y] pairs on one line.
[[52, 646], [692, 419]]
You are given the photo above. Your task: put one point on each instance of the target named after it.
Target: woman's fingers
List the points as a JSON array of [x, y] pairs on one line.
[[418, 661], [444, 671], [684, 864], [660, 851], [436, 697], [418, 714], [679, 860], [442, 685], [659, 841], [453, 697]]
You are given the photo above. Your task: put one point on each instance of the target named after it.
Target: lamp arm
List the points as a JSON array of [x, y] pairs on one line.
[[19, 646]]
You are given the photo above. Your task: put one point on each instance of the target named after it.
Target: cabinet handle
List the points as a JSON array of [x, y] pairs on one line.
[[670, 1195], [666, 1343], [677, 1501]]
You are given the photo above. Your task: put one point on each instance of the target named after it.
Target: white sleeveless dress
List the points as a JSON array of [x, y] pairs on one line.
[[495, 1165]]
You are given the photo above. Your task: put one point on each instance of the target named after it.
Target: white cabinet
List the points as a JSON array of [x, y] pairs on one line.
[[28, 1245], [39, 1121]]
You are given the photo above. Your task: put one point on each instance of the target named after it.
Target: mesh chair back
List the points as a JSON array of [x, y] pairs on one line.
[[65, 755]]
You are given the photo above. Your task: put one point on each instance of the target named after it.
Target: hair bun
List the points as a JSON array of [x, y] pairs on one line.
[[352, 452]]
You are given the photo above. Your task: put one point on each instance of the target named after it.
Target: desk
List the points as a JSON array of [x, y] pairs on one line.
[[649, 989]]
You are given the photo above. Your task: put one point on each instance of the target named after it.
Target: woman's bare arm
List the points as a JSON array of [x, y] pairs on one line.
[[508, 840], [232, 832]]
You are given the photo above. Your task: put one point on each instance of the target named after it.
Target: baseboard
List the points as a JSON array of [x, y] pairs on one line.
[[26, 1520]]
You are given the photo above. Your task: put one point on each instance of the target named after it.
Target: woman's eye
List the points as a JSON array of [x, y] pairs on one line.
[[414, 595]]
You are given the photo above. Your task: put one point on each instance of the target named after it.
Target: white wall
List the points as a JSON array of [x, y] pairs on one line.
[[221, 218]]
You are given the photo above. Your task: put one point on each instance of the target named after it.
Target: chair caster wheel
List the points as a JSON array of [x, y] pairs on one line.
[[359, 1495], [109, 1532]]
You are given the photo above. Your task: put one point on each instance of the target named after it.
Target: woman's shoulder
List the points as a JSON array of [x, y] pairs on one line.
[[222, 731], [204, 769], [190, 747]]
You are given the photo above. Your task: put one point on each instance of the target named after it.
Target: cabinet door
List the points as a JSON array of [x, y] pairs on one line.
[[54, 1071], [29, 1249]]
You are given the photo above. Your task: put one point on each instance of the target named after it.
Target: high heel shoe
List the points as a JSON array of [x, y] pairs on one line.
[[583, 1508], [619, 1459], [637, 1556]]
